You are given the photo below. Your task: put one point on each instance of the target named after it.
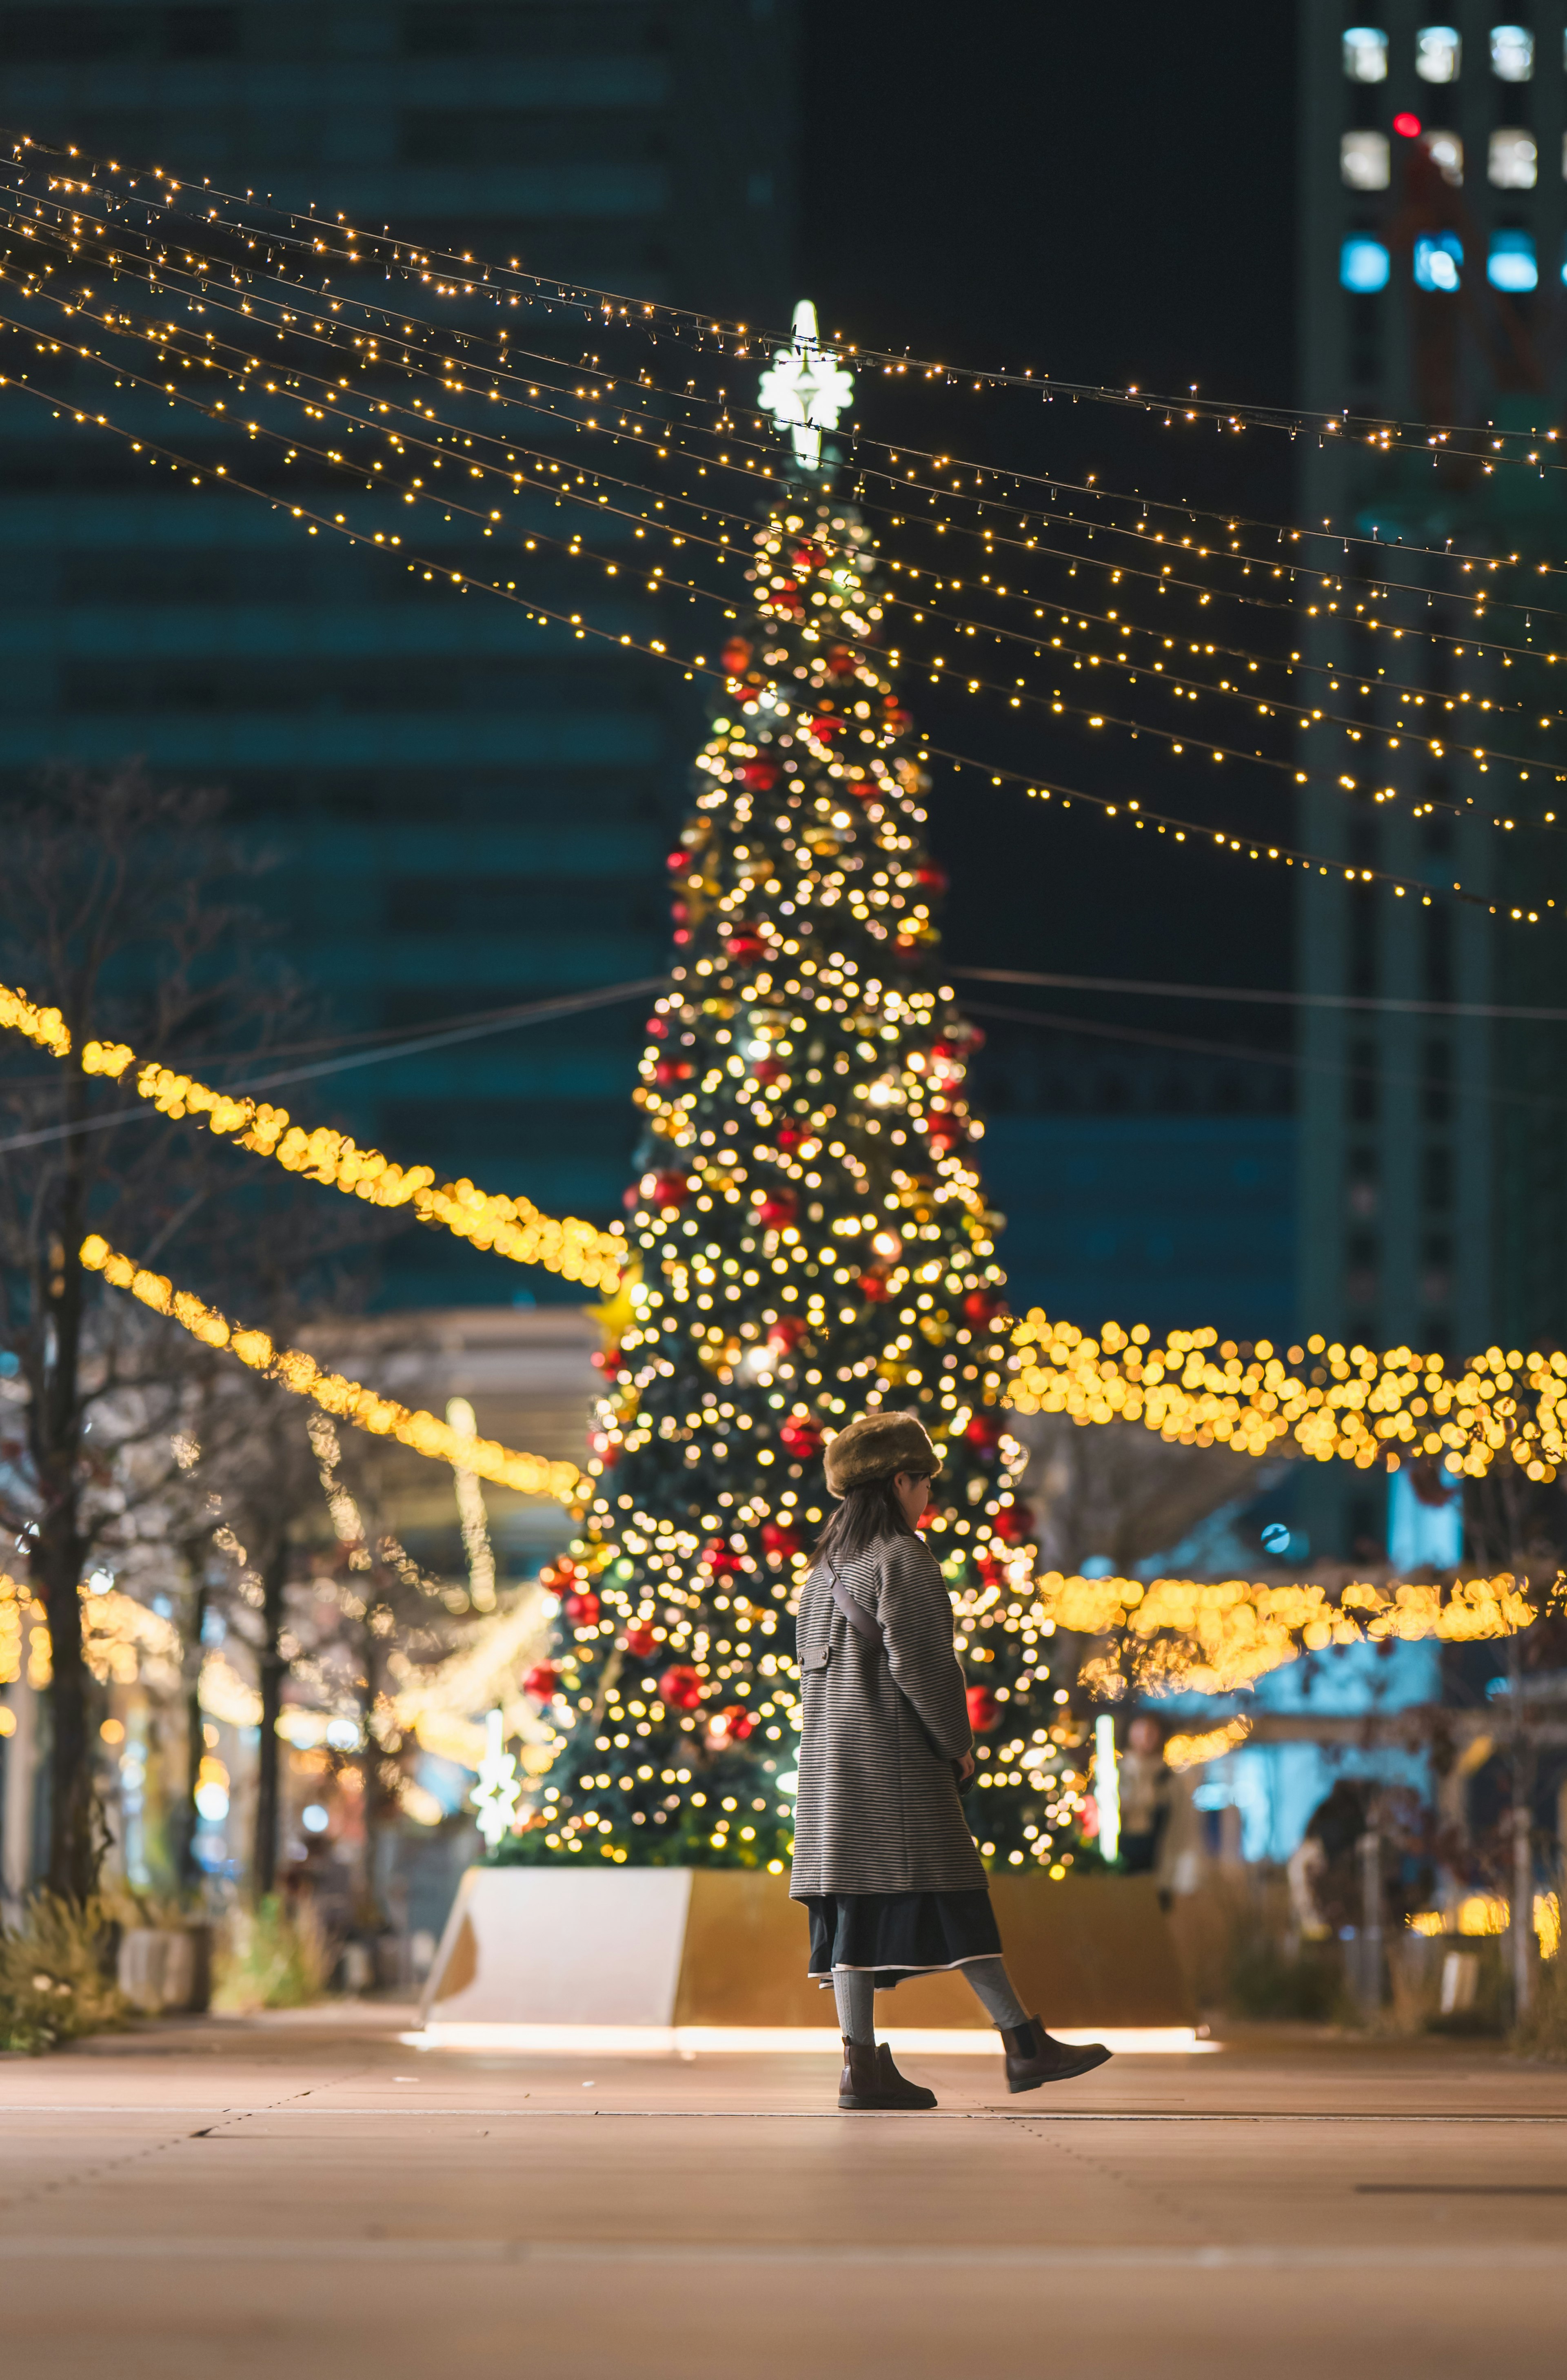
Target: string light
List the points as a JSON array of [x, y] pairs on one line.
[[468, 277], [1196, 1751], [348, 1400], [514, 1228], [330, 323], [1176, 1635], [1331, 1402], [976, 686]]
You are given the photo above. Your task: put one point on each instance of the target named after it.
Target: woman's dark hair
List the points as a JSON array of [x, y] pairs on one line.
[[865, 1516]]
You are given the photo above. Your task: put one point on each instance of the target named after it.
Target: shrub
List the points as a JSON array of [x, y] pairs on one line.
[[272, 1958], [57, 1980]]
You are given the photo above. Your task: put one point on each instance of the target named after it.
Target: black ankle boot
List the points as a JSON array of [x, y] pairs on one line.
[[1034, 2056], [870, 2078]]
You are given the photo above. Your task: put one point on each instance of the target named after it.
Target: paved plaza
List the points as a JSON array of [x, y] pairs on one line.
[[315, 2195]]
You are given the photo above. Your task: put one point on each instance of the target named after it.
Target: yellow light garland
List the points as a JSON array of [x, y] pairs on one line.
[[511, 1227], [1181, 1636], [299, 1373], [1351, 1405]]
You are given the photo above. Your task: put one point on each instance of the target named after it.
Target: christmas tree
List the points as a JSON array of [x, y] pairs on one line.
[[808, 1237]]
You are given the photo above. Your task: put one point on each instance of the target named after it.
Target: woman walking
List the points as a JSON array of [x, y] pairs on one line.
[[883, 1858]]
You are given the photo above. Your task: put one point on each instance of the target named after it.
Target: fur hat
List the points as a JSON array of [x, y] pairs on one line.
[[875, 1447]]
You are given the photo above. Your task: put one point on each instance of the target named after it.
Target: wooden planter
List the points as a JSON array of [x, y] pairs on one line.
[[660, 1948]]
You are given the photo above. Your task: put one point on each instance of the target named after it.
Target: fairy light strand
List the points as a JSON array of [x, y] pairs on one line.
[[347, 1400], [514, 1228]]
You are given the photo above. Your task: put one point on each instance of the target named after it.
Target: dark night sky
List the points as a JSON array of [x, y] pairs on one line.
[[1107, 193]]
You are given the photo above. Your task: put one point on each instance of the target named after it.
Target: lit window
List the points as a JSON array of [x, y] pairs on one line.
[[1514, 161], [1437, 256], [1363, 263], [1513, 52], [1439, 53], [1511, 264], [1446, 151], [1363, 161], [1365, 54]]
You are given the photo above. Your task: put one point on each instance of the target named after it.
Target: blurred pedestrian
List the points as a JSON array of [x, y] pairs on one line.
[[1145, 1796]]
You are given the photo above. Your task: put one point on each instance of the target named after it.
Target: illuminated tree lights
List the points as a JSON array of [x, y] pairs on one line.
[[811, 1237], [511, 1227], [1333, 1402], [303, 1377], [1180, 1635]]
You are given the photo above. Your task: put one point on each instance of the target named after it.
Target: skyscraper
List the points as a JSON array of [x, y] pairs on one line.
[[1433, 1161], [462, 813]]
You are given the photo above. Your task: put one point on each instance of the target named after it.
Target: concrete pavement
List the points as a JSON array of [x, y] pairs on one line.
[[312, 2196]]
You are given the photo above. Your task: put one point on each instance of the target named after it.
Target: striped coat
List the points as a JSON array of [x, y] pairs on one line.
[[877, 1809]]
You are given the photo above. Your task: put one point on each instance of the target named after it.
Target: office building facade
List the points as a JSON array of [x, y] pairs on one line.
[[1432, 1164], [462, 812]]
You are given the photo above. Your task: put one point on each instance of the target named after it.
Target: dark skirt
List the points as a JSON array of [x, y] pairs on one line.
[[899, 1934]]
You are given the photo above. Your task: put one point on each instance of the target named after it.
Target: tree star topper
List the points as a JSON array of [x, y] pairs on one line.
[[495, 1794], [806, 388]]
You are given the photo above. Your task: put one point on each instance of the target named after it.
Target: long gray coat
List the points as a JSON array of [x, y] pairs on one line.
[[877, 1809]]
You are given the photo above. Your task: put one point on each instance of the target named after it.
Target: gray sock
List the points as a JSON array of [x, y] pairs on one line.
[[854, 1988], [994, 1987]]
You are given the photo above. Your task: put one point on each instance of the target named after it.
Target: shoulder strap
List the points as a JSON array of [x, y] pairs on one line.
[[865, 1624]]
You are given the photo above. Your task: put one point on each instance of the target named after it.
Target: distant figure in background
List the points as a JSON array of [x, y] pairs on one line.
[[883, 1858], [1145, 1796], [1329, 1876]]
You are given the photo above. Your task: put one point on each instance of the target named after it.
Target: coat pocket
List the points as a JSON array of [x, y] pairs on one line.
[[817, 1660]]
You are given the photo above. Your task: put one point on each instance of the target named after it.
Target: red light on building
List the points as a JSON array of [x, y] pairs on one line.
[[1407, 126]]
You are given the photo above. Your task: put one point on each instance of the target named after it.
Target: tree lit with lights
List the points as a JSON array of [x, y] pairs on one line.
[[808, 1237]]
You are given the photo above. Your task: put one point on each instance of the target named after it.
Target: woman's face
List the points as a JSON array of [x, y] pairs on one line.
[[912, 1494]]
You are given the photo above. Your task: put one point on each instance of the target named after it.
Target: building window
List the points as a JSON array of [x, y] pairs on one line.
[[1435, 1185], [1511, 264], [1514, 162], [1365, 54], [1438, 54], [1438, 257], [1364, 1082], [1513, 52], [1446, 152], [1363, 161], [1436, 1088], [1363, 263]]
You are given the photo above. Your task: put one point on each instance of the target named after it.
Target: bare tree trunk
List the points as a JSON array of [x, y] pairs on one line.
[[195, 1727], [272, 1667], [76, 1840]]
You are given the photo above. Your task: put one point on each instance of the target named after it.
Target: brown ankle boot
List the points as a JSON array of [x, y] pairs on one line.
[[870, 2078], [1033, 2056]]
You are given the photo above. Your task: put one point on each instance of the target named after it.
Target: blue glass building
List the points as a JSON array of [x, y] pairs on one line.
[[463, 813]]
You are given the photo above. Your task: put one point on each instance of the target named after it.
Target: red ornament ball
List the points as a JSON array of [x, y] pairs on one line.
[[984, 1430], [582, 1609], [681, 1688], [984, 1711], [640, 1643], [775, 1208], [736, 654], [1012, 1523], [981, 1308], [776, 1539], [669, 1189], [542, 1681], [802, 1434]]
